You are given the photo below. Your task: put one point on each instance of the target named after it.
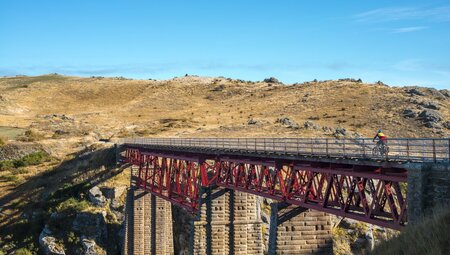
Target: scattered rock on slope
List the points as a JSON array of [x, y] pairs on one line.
[[409, 113], [48, 243], [431, 118], [285, 121], [430, 105], [311, 125], [415, 91], [96, 196]]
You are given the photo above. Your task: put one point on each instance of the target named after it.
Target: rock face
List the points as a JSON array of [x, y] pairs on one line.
[[48, 243], [89, 246], [409, 113], [340, 132], [96, 196], [285, 121], [430, 105], [251, 122], [113, 193], [311, 125], [92, 226], [415, 91], [431, 118]]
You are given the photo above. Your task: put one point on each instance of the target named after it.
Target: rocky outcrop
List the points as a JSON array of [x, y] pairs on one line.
[[285, 121], [92, 226], [48, 243], [311, 125], [431, 118], [409, 113], [340, 132], [430, 105], [90, 247], [252, 122], [96, 197], [415, 91]]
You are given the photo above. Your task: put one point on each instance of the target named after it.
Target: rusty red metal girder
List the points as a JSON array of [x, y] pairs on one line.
[[371, 194]]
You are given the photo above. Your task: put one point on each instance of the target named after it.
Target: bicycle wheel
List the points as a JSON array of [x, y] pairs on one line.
[[376, 151]]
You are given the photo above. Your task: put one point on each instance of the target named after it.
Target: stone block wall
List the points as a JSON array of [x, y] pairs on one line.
[[148, 224], [230, 224], [428, 187], [306, 233]]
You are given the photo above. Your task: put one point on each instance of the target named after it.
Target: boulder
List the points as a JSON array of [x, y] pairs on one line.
[[96, 196], [447, 125], [430, 116], [89, 246], [311, 125], [113, 193], [48, 243], [328, 130], [409, 113], [285, 121], [340, 131], [430, 105], [445, 92], [251, 122], [92, 226], [415, 91]]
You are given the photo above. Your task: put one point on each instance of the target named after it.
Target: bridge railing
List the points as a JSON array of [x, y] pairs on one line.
[[401, 149]]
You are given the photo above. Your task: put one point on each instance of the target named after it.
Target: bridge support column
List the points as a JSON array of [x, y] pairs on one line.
[[428, 187], [228, 224], [148, 224], [297, 230]]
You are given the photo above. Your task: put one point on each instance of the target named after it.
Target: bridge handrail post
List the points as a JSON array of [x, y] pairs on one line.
[[326, 147], [448, 150], [343, 147], [364, 148], [434, 150], [407, 148], [311, 144]]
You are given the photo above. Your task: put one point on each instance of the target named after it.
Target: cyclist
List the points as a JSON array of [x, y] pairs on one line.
[[381, 138]]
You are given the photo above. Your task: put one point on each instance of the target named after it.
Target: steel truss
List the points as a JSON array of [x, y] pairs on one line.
[[371, 194]]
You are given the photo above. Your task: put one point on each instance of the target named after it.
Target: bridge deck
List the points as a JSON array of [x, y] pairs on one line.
[[400, 149]]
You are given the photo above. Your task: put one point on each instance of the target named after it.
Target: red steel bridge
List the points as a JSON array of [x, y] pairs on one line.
[[345, 177]]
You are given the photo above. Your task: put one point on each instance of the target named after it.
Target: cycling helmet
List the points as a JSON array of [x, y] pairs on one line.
[[379, 131]]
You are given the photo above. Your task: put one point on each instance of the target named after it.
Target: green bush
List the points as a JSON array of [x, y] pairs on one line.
[[23, 251], [35, 158], [6, 165], [72, 205], [9, 178]]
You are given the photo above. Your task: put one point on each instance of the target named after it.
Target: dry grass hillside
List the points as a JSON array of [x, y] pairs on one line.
[[51, 126], [61, 106]]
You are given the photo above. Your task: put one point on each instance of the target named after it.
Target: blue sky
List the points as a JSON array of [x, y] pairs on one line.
[[397, 42]]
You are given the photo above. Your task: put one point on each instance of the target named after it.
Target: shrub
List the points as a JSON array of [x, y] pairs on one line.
[[430, 236], [35, 158], [9, 178], [23, 251], [2, 141], [6, 165], [31, 136], [72, 205]]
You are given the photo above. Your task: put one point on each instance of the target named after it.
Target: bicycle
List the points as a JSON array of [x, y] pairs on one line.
[[381, 149]]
